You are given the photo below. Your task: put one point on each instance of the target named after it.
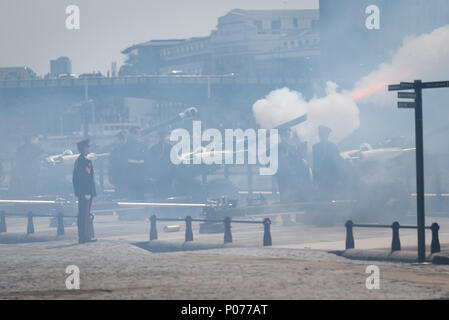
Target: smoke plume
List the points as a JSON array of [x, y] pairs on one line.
[[423, 57], [336, 110]]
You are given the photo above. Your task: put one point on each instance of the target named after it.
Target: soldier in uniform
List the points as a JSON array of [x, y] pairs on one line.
[[84, 187], [25, 176], [327, 166], [293, 176], [160, 171], [117, 170]]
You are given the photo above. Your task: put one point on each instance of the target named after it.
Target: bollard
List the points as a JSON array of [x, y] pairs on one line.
[[227, 230], [153, 230], [349, 235], [266, 232], [189, 233], [30, 225], [60, 230], [2, 221], [435, 245], [396, 242]]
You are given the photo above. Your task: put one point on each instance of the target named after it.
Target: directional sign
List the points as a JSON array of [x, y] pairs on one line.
[[407, 85], [401, 86], [438, 84], [406, 105], [406, 95], [394, 87], [417, 105]]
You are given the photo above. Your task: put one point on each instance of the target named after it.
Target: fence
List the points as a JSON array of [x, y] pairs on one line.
[[30, 224], [395, 226], [227, 227]]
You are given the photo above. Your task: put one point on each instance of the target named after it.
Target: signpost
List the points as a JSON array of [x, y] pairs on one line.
[[418, 86]]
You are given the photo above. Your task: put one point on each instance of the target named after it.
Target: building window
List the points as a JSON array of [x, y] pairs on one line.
[[295, 23], [276, 25], [258, 24]]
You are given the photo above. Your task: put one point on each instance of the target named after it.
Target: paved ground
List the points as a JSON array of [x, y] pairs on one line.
[[298, 265]]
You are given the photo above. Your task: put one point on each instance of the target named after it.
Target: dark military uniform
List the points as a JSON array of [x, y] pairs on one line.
[[25, 176], [160, 170], [117, 169], [84, 187], [327, 169], [293, 176]]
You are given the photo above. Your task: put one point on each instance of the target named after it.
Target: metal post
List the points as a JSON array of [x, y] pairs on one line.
[[349, 235], [84, 107], [208, 88], [101, 175], [226, 171], [420, 171], [91, 226], [435, 245], [396, 242], [2, 221], [153, 230], [60, 230], [30, 225], [250, 180], [273, 186], [189, 233], [227, 230], [266, 232]]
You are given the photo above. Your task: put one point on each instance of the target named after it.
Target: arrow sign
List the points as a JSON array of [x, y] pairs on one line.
[[406, 105], [438, 84], [406, 95], [394, 87], [407, 85], [401, 86]]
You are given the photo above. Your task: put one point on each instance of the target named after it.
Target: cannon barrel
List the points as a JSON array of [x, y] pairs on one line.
[[291, 123], [186, 114]]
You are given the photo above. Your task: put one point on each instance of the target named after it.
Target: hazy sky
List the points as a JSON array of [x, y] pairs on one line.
[[33, 31]]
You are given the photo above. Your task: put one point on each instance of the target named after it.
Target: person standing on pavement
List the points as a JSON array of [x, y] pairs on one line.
[[84, 187]]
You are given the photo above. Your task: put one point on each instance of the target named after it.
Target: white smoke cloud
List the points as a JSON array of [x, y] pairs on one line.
[[336, 111], [424, 57]]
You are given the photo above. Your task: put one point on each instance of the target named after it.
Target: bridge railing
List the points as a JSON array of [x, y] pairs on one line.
[[30, 221], [140, 80], [227, 227], [395, 226]]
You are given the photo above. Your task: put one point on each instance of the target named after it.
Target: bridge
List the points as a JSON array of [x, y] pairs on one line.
[[185, 87]]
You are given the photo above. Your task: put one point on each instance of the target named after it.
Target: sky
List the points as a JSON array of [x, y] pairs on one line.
[[32, 32]]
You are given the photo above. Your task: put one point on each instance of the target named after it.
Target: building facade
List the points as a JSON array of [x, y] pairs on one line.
[[62, 65], [16, 73], [246, 42]]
